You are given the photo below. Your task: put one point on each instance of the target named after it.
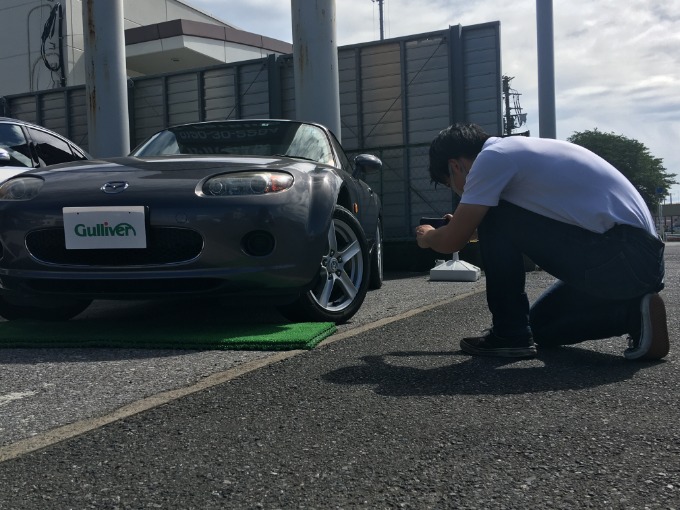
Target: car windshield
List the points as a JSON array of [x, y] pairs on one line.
[[262, 138]]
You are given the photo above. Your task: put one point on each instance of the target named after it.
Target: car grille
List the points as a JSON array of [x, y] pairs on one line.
[[165, 245]]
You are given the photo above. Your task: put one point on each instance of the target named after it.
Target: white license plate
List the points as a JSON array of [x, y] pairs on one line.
[[104, 227]]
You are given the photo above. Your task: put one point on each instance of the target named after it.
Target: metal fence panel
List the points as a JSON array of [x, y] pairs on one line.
[[427, 79], [52, 107], [481, 61], [392, 189], [381, 92], [219, 92], [254, 87], [287, 71], [77, 117], [150, 108], [23, 107], [183, 96], [348, 75]]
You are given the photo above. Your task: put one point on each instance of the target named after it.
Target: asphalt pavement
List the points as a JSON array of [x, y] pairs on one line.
[[387, 413]]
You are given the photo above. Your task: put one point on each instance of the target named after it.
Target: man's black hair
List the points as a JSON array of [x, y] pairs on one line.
[[456, 141]]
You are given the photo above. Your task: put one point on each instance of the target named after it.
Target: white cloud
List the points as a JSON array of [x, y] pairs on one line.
[[617, 64]]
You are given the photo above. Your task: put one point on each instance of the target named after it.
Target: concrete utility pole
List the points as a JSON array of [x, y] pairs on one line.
[[547, 127], [315, 63], [106, 78]]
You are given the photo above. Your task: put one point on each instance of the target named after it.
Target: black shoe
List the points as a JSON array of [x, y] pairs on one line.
[[491, 344], [651, 341]]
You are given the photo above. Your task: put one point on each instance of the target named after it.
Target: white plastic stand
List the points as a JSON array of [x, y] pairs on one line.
[[454, 270]]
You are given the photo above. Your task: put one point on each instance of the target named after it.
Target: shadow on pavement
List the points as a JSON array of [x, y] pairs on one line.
[[401, 374]]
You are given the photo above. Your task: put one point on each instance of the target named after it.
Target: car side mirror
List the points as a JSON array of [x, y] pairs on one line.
[[365, 163], [4, 156]]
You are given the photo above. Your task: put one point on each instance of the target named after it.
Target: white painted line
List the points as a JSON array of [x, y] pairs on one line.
[[404, 315], [11, 397]]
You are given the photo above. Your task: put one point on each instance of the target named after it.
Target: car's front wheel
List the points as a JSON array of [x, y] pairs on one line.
[[342, 282], [62, 311]]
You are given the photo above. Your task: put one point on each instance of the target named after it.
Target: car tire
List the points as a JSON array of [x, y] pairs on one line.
[[341, 285], [58, 312], [377, 260]]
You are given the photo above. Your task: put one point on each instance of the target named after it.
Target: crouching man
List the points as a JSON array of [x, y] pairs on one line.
[[573, 214]]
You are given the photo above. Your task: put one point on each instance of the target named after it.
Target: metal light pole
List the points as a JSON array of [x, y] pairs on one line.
[[546, 69]]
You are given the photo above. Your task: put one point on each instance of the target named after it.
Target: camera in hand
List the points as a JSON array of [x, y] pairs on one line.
[[435, 222]]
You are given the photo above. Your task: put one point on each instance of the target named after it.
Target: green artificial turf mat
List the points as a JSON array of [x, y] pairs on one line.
[[164, 334]]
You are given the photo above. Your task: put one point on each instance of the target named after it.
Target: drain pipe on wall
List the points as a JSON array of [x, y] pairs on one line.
[[315, 63], [106, 78]]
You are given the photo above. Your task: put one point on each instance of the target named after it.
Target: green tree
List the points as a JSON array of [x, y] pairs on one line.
[[632, 159]]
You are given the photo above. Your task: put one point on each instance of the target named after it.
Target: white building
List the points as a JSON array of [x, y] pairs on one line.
[[41, 42]]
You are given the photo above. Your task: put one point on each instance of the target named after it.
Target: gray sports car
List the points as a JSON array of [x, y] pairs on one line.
[[248, 209]]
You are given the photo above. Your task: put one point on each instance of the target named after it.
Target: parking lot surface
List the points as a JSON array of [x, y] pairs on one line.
[[387, 413]]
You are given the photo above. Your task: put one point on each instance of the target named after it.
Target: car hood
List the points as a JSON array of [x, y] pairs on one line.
[[149, 172], [196, 166]]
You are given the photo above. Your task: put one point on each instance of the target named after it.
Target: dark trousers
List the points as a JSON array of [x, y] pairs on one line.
[[601, 278]]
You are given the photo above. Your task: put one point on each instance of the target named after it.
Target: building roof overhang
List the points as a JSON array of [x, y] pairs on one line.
[[185, 44]]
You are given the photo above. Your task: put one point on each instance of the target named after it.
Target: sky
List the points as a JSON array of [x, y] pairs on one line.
[[617, 64]]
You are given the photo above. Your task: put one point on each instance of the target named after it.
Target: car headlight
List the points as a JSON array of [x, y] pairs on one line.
[[246, 183], [21, 188]]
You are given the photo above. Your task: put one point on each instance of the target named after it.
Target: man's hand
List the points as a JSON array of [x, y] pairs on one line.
[[453, 236], [421, 234]]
